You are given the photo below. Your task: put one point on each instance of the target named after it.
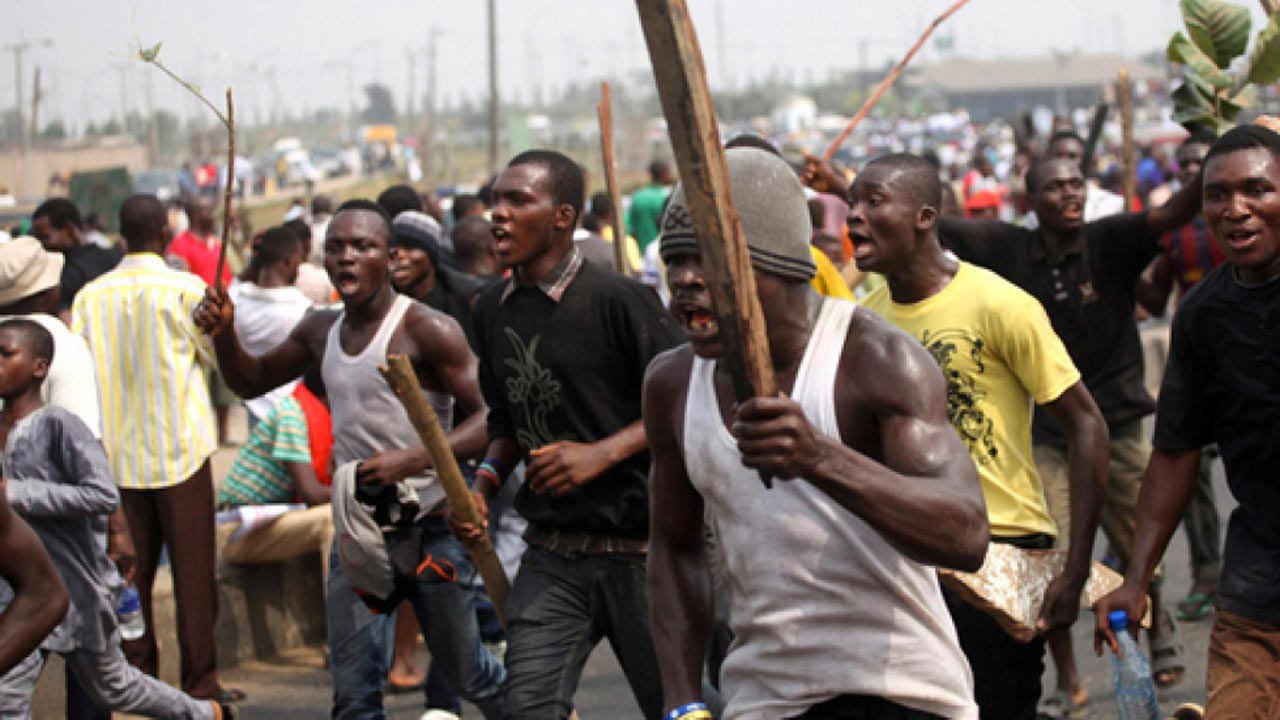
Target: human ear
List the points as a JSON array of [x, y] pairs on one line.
[[565, 217], [926, 218]]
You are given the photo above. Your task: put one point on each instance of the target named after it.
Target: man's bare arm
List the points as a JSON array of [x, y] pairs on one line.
[[1180, 210], [1088, 454], [250, 375], [307, 485], [924, 497], [1155, 285], [39, 597], [680, 600]]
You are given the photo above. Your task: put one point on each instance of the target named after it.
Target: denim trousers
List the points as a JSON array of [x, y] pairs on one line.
[[445, 605], [561, 606]]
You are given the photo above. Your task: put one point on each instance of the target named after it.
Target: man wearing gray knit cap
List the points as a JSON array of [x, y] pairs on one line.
[[834, 603]]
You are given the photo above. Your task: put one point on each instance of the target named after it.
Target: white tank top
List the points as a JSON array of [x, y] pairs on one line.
[[821, 605], [367, 417]]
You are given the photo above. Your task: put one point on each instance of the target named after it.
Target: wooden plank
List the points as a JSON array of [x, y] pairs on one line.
[[681, 78], [604, 111], [403, 381], [1129, 151]]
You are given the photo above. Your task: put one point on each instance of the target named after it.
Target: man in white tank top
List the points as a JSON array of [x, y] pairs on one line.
[[834, 604], [370, 426]]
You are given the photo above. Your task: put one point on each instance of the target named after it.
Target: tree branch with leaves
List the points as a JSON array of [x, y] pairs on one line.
[[1218, 79]]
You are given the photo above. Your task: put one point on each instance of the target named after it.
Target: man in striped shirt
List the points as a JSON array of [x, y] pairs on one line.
[[158, 429]]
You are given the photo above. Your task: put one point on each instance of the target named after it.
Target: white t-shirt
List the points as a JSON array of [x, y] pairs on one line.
[[264, 318], [71, 383]]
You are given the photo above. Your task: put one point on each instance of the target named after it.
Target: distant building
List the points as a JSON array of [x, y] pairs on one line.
[[796, 113], [1008, 87]]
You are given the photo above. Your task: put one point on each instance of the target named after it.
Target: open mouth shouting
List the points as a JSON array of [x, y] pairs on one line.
[[502, 240], [699, 322], [1073, 211], [1241, 239], [346, 282]]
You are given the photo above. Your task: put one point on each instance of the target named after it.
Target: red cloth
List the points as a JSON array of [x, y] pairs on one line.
[[319, 431], [201, 256]]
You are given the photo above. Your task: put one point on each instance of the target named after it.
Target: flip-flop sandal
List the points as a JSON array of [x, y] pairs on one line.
[[1167, 665], [1061, 706], [1195, 606]]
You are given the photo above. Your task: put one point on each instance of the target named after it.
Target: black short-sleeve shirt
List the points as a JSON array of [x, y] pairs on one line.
[[1089, 293], [567, 362], [1222, 384]]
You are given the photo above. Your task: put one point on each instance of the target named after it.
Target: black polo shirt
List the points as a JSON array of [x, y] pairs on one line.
[[564, 360], [1089, 293]]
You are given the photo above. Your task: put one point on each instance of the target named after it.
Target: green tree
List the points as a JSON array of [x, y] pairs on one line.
[[1215, 87]]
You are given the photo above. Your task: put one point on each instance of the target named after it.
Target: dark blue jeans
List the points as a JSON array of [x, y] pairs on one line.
[[559, 610], [445, 605]]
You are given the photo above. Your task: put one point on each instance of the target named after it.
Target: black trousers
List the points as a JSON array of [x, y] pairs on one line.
[[1006, 673]]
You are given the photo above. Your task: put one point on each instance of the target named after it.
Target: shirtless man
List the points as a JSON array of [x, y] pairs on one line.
[[39, 597], [371, 427], [835, 609]]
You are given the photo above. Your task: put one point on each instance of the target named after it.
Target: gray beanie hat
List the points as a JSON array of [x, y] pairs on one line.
[[771, 203]]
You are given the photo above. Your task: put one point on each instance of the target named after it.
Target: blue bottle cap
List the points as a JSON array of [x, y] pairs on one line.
[[1118, 619]]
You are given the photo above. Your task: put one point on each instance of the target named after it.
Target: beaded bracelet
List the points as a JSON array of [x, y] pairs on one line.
[[691, 711]]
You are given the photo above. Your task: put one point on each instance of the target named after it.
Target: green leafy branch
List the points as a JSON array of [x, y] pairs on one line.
[[1218, 82]]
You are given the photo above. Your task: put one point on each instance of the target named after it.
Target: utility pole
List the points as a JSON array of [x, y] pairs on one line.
[[124, 99], [428, 144], [36, 96], [410, 120], [24, 139], [153, 132], [493, 87]]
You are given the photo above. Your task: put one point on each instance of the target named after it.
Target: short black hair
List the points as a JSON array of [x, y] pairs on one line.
[[916, 175], [463, 205], [601, 205], [472, 237], [301, 228], [276, 244], [1200, 136], [368, 205], [60, 211], [1061, 135], [1037, 168], [564, 177], [659, 169], [400, 198], [321, 204], [34, 338], [1244, 137], [142, 218]]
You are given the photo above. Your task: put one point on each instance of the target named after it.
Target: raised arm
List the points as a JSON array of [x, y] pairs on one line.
[[1155, 285], [39, 597], [1179, 211], [924, 470], [1087, 455], [680, 599], [249, 375]]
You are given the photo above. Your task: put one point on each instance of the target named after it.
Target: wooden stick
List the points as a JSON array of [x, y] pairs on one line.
[[403, 381], [1095, 134], [695, 136], [1128, 150], [888, 80], [605, 113], [227, 191]]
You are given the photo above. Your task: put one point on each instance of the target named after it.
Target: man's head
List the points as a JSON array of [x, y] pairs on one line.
[[537, 201], [1242, 200], [1065, 145], [199, 215], [473, 247], [415, 251], [29, 277], [144, 224], [660, 173], [893, 211], [602, 207], [26, 350], [57, 225], [775, 221], [465, 206], [1191, 154], [321, 205], [831, 246], [280, 250], [1056, 191], [357, 250], [400, 198]]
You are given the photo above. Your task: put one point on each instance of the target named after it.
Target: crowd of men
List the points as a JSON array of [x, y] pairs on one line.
[[774, 557]]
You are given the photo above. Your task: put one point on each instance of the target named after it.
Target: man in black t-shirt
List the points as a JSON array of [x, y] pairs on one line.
[[59, 228], [563, 347], [1222, 384], [1085, 275]]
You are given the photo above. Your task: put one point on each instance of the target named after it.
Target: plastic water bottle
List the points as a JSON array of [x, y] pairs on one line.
[[1135, 693], [129, 614]]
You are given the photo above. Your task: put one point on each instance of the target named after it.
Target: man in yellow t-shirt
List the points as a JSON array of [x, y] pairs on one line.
[[998, 353]]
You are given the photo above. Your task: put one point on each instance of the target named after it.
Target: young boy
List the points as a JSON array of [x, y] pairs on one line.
[[55, 475]]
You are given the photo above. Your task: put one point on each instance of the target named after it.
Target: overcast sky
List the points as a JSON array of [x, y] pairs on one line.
[[320, 52]]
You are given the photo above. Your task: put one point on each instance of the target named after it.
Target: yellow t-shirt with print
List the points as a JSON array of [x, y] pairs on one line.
[[827, 280], [998, 354]]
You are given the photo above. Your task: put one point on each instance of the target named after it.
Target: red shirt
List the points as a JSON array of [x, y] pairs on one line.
[[201, 256]]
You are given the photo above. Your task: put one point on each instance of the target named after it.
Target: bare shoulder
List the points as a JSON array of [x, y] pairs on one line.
[[313, 329], [430, 327], [665, 383], [888, 367]]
